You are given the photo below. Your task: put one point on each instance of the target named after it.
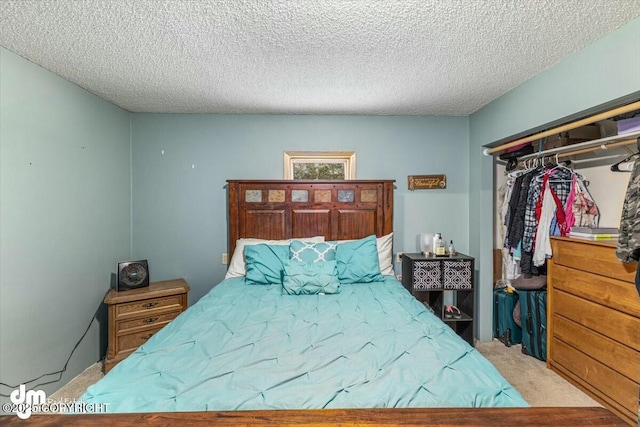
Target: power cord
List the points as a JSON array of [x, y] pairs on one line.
[[60, 372]]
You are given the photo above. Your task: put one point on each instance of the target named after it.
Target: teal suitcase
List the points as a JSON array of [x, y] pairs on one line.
[[533, 312], [504, 326]]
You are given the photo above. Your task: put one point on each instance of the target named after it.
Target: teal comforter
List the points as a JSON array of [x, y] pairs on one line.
[[247, 347]]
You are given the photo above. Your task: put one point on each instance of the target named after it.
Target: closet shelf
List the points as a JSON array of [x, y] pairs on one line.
[[630, 137], [569, 126]]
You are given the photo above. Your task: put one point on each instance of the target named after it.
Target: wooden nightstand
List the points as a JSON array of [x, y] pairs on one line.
[[137, 314]]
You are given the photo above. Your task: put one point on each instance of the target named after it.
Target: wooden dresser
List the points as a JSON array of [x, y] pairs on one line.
[[135, 315], [594, 323]]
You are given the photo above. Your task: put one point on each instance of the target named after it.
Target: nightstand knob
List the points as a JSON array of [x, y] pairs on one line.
[[150, 320], [146, 337], [150, 304]]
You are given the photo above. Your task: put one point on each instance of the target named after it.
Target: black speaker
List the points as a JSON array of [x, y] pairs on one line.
[[132, 275]]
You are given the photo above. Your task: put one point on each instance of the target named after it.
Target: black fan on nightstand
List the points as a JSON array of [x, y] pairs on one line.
[[133, 275]]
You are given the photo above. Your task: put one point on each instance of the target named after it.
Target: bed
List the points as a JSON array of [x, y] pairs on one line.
[[370, 345], [284, 335]]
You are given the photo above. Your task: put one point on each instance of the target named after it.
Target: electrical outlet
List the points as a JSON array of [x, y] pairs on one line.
[[399, 257], [225, 258]]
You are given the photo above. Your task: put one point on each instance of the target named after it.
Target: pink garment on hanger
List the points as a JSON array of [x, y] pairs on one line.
[[561, 219], [569, 216]]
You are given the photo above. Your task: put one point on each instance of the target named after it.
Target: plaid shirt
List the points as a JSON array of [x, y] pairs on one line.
[[559, 183]]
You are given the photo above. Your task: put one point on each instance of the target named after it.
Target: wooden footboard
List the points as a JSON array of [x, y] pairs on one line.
[[332, 417]]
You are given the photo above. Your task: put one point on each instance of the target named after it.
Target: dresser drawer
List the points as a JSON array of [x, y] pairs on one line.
[[616, 389], [127, 342], [144, 307], [149, 320], [621, 296], [591, 257], [618, 326], [606, 351]]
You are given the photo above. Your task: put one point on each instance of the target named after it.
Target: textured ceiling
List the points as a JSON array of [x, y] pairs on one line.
[[431, 57]]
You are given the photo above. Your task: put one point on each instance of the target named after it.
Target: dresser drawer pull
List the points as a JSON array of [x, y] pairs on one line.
[[150, 320], [146, 337], [150, 304]]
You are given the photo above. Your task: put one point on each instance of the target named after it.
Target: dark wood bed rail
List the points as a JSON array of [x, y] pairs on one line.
[[340, 417], [283, 209]]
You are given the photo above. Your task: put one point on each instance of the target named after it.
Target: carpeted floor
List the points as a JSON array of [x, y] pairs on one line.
[[538, 385], [530, 376]]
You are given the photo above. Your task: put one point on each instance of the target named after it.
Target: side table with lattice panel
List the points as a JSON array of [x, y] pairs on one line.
[[430, 278]]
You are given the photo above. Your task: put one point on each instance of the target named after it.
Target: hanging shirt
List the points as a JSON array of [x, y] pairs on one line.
[[568, 207], [585, 209], [629, 241], [544, 210], [560, 181], [504, 196], [509, 265], [517, 223]]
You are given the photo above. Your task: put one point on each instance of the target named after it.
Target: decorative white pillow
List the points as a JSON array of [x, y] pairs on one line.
[[384, 245], [385, 254], [237, 266]]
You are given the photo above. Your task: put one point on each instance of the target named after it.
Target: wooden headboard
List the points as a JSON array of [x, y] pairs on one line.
[[280, 209]]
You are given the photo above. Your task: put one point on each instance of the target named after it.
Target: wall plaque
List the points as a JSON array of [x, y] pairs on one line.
[[427, 182]]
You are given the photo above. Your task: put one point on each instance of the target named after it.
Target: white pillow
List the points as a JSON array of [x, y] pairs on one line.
[[385, 254], [237, 266], [384, 245]]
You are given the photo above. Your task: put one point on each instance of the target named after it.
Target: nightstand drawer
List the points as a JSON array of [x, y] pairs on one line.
[[457, 274], [141, 308], [133, 341], [427, 275], [154, 319]]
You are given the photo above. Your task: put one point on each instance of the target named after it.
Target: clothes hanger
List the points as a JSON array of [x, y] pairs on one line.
[[561, 165], [556, 167], [616, 166]]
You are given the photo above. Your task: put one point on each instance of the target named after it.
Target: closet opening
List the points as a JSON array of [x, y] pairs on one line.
[[564, 236], [595, 149]]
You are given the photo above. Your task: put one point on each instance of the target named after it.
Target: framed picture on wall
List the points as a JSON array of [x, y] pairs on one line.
[[319, 165]]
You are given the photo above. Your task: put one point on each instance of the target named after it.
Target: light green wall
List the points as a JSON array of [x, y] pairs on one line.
[[606, 70], [64, 218], [179, 212]]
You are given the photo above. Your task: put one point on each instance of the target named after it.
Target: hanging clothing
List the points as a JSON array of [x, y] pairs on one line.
[[508, 264], [549, 210], [516, 229], [504, 195], [568, 208], [629, 241], [585, 209], [544, 212], [560, 182], [522, 223]]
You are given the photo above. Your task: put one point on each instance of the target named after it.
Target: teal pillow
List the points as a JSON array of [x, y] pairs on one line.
[[357, 261], [312, 251], [265, 263], [310, 278]]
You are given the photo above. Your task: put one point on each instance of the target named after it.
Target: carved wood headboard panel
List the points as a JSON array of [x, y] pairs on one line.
[[338, 210]]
